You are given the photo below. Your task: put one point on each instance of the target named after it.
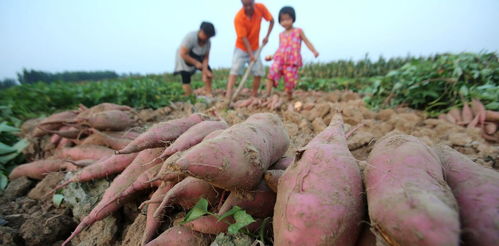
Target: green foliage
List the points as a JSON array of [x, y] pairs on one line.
[[242, 218], [57, 200], [11, 148], [29, 101], [436, 85], [33, 76]]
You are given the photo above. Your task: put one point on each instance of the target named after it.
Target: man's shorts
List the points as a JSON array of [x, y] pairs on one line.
[[240, 58]]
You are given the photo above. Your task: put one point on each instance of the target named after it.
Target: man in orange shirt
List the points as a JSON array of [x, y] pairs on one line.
[[247, 23]]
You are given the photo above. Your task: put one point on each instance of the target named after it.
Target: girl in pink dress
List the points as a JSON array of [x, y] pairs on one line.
[[287, 58]]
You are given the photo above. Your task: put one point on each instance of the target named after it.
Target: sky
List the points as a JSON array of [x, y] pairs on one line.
[[142, 36]]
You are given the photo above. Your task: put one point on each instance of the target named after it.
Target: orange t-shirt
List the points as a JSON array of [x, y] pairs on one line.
[[250, 27]]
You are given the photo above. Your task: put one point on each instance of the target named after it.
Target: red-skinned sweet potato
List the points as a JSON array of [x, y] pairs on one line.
[[320, 194], [237, 158], [180, 236], [476, 189], [405, 175], [159, 134], [193, 136], [39, 169], [259, 203]]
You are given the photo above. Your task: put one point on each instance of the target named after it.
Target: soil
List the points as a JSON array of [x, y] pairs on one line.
[[28, 218]]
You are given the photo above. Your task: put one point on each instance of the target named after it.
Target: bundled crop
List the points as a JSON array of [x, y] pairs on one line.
[[237, 158], [312, 197], [476, 189], [406, 175], [475, 117]]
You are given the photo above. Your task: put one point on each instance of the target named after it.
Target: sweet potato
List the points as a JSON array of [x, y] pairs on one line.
[[456, 114], [320, 194], [166, 173], [490, 128], [187, 193], [65, 132], [180, 236], [213, 134], [210, 225], [101, 169], [478, 110], [109, 203], [272, 178], [159, 134], [237, 158], [193, 136], [467, 115], [405, 175], [83, 152], [86, 112], [114, 120], [153, 223], [100, 138], [450, 118], [54, 122], [54, 139], [492, 116], [476, 189], [258, 203], [39, 169], [474, 122], [142, 182], [283, 163]]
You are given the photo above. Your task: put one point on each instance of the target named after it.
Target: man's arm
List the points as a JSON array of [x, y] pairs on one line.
[[184, 54], [248, 49], [271, 26]]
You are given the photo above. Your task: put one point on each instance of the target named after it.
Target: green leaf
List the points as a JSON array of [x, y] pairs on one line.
[[492, 106], [6, 158], [200, 209], [6, 128], [57, 199], [20, 145], [5, 149], [3, 181], [242, 219], [231, 212]]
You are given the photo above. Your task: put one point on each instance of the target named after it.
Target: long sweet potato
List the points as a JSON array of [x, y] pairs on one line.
[[476, 189], [180, 236], [187, 193], [54, 122], [82, 152], [478, 110], [405, 175], [109, 202], [114, 120], [209, 224], [153, 223], [159, 134], [101, 108], [467, 115], [193, 136], [258, 203], [39, 169], [237, 158], [101, 169], [65, 132], [319, 198], [100, 138]]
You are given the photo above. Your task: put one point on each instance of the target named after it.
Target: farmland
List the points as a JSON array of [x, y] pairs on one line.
[[416, 96]]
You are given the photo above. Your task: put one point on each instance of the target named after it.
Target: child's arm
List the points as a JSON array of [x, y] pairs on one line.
[[309, 44]]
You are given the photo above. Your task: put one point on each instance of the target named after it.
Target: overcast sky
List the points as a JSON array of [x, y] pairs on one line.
[[143, 36]]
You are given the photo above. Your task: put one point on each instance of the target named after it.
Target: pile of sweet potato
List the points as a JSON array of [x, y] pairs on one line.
[[475, 116], [407, 193]]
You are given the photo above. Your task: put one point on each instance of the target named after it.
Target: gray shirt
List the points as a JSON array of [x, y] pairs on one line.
[[191, 43]]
